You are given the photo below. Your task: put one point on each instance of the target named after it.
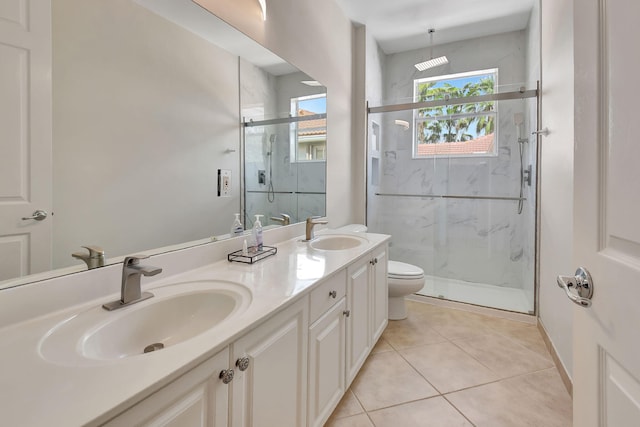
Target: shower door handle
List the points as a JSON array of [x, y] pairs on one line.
[[579, 288]]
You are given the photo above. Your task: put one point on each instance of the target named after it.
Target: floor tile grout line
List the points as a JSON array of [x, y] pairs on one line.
[[419, 373], [459, 411], [492, 370], [457, 343]]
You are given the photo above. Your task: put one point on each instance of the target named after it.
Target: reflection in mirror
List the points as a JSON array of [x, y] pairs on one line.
[[285, 143], [145, 112]]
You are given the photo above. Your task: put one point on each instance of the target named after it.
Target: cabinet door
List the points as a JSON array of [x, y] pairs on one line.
[[358, 322], [326, 364], [272, 390], [380, 291], [198, 398]]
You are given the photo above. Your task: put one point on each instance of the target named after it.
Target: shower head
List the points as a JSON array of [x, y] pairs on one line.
[[403, 124]]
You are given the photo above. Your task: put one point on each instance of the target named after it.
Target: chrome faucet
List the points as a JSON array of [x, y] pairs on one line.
[[94, 259], [311, 222], [283, 219], [131, 292]]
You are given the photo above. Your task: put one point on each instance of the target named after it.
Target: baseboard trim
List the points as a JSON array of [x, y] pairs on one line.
[[556, 360]]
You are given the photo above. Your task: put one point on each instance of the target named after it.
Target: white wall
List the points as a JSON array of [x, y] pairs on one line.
[[556, 175], [316, 37], [144, 112]]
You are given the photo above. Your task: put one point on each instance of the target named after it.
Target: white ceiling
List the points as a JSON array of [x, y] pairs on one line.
[[401, 25]]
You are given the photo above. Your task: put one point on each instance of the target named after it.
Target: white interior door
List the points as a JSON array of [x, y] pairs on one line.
[[606, 375], [25, 136]]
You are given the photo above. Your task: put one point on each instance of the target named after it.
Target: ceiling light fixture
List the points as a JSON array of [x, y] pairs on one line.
[[432, 62], [263, 6], [311, 83]]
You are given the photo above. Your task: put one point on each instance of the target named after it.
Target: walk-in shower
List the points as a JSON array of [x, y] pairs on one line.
[[456, 190]]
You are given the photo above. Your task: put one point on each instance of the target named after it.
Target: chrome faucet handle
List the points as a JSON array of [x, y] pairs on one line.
[[311, 222], [130, 292], [132, 266], [95, 257], [134, 259], [284, 219], [94, 251]]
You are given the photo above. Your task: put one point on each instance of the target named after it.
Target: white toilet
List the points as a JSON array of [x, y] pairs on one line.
[[403, 279]]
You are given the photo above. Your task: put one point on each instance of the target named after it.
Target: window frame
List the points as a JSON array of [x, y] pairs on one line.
[[293, 130], [417, 119]]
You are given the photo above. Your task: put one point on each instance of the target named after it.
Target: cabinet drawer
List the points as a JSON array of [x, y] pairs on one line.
[[327, 294]]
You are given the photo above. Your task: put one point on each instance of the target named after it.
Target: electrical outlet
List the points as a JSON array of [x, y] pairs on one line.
[[224, 183]]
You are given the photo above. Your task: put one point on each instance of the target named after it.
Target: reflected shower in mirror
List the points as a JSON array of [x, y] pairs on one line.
[[285, 144]]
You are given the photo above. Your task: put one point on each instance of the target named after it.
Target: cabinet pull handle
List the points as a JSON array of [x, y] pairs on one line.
[[347, 313], [242, 363], [226, 375], [375, 260], [372, 262], [333, 294]]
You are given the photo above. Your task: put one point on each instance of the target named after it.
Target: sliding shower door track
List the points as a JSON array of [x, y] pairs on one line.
[[519, 94], [450, 196]]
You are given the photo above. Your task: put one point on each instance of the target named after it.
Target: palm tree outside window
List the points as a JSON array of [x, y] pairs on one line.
[[456, 130]]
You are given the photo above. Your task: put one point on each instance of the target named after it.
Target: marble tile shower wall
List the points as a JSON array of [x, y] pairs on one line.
[[484, 241]]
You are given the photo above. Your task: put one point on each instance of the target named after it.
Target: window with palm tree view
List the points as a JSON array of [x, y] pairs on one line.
[[460, 129]]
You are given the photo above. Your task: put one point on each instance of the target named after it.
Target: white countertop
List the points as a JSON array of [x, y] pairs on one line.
[[35, 392]]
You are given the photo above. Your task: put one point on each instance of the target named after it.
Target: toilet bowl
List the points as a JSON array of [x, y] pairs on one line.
[[403, 279]]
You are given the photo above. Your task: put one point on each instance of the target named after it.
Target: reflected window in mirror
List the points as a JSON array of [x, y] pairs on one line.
[[309, 137]]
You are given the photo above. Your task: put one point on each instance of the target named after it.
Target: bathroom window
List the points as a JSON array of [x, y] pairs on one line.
[[456, 130], [309, 137]]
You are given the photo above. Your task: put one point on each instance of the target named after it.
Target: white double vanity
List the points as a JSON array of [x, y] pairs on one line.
[[274, 343]]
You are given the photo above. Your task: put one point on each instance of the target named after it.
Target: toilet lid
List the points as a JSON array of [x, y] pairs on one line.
[[401, 270]]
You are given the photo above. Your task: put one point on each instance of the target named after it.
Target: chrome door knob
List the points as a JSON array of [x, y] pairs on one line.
[[579, 288]]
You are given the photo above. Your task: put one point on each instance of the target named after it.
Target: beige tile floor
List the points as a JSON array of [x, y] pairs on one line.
[[444, 367]]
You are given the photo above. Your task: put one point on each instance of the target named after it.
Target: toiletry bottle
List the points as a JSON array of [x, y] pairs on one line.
[[236, 228], [257, 233]]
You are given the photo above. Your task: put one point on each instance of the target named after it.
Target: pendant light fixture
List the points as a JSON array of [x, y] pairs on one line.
[[432, 62]]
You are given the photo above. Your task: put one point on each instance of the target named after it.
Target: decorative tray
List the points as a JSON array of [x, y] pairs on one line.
[[250, 258]]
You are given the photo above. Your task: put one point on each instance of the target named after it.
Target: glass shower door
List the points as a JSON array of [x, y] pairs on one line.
[[467, 218]]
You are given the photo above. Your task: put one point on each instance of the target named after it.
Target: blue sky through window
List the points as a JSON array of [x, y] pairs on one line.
[[317, 105]]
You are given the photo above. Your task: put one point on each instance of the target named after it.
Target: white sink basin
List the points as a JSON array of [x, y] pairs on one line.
[[337, 242], [175, 314]]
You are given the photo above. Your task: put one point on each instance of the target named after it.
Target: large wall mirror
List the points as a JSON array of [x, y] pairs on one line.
[[285, 145], [147, 108]]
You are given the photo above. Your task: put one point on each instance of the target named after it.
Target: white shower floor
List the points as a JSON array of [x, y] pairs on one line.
[[500, 297]]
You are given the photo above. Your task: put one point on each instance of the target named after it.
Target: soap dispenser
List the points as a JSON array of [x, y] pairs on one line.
[[236, 228], [257, 233]]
